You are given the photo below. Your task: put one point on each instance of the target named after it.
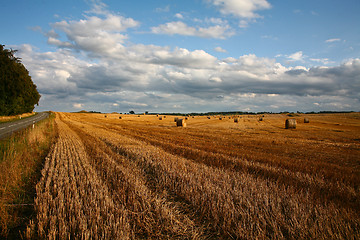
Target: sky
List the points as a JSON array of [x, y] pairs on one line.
[[188, 56]]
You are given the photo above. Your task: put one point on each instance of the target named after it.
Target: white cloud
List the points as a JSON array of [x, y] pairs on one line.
[[298, 56], [241, 8], [220, 49], [217, 21], [100, 36], [333, 40], [215, 79], [179, 16], [245, 10], [78, 105], [181, 28], [174, 28], [98, 7], [181, 57]]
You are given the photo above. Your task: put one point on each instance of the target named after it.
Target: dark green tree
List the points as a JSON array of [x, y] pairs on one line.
[[18, 93]]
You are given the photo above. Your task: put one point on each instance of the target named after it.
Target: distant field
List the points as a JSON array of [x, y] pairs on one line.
[[143, 178]]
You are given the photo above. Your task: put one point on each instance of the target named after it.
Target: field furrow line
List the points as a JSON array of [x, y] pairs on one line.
[[72, 202]]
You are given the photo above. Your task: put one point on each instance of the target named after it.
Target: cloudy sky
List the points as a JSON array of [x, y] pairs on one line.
[[188, 55]]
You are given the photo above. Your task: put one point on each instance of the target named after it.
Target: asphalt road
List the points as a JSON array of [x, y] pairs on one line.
[[8, 128]]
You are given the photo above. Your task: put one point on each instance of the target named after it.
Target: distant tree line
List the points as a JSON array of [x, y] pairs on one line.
[[18, 93]]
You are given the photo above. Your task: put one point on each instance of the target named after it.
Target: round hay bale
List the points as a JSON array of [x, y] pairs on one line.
[[290, 123], [120, 117], [164, 116], [186, 118], [105, 116], [160, 118], [208, 117], [260, 119], [175, 119], [306, 120], [220, 118], [180, 122], [236, 120]]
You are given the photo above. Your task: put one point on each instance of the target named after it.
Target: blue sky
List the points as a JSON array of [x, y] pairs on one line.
[[186, 56]]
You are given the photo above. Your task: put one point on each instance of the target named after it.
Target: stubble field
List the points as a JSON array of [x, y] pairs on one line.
[[143, 178]]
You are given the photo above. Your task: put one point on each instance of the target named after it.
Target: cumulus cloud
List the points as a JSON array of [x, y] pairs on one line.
[[169, 76], [298, 56], [78, 105], [220, 49], [122, 75], [181, 28], [99, 36], [179, 15], [241, 8], [245, 10]]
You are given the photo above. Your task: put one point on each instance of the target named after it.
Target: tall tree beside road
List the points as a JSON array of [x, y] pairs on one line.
[[18, 93]]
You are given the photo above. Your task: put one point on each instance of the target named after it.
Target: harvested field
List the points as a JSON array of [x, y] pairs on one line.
[[141, 178]]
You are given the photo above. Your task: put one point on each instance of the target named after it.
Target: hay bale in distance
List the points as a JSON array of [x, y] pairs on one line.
[[180, 123], [236, 120], [260, 119], [120, 117], [208, 117], [160, 118], [175, 119], [290, 123], [306, 120], [220, 118]]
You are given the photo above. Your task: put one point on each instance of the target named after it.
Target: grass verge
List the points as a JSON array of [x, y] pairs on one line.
[[4, 119], [21, 160]]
